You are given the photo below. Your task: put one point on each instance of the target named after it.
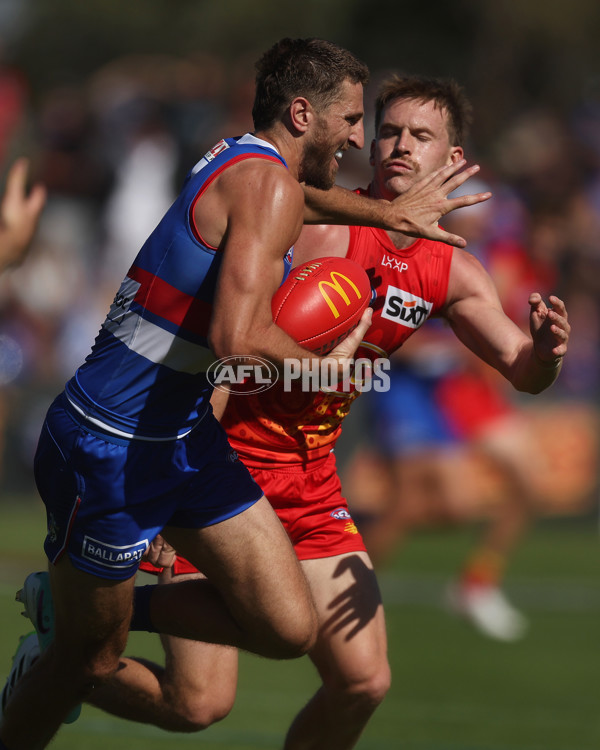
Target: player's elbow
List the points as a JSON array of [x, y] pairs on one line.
[[532, 389], [239, 341], [218, 345], [534, 385], [227, 343]]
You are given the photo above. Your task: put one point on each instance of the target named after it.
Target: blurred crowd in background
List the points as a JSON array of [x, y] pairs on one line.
[[112, 150]]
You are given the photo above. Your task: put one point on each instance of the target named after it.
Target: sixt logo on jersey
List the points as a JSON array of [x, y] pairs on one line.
[[216, 150], [405, 308], [340, 288]]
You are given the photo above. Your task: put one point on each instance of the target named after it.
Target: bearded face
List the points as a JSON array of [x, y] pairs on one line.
[[319, 166], [334, 130]]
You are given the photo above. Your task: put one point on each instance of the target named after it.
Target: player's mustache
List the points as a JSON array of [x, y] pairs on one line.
[[394, 159]]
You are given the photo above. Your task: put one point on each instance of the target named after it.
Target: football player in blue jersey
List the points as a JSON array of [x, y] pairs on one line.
[[131, 448]]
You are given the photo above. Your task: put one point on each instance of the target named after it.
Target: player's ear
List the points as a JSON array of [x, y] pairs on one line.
[[456, 154], [372, 153], [301, 114]]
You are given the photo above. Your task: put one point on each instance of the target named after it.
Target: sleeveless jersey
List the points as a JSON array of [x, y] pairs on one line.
[[145, 376], [292, 427]]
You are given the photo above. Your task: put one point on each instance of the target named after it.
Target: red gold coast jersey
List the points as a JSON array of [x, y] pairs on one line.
[[279, 427]]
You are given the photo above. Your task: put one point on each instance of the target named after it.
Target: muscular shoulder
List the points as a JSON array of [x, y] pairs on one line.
[[320, 240], [261, 181], [255, 190]]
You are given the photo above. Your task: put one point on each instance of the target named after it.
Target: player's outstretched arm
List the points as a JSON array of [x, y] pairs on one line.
[[19, 214], [415, 213], [530, 362]]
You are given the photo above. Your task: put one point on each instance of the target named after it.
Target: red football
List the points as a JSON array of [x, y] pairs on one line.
[[321, 301]]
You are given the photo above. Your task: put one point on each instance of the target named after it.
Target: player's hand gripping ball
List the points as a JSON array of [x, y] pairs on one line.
[[321, 302]]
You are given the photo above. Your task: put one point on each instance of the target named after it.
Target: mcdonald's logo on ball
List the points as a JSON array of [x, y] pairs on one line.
[[339, 283], [321, 302]]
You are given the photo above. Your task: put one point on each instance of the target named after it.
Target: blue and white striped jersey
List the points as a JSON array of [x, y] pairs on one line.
[[145, 376]]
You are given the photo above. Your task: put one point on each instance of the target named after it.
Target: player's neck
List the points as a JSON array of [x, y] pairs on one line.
[[279, 138], [400, 240]]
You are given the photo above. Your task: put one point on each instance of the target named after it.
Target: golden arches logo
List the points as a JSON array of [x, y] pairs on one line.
[[337, 286]]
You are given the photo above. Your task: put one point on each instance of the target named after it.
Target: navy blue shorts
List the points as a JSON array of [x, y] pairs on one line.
[[106, 498]]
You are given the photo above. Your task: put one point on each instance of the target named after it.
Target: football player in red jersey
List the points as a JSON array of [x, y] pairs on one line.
[[287, 440], [450, 443]]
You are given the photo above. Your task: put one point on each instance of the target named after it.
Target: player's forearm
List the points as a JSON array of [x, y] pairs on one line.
[[531, 374], [340, 206]]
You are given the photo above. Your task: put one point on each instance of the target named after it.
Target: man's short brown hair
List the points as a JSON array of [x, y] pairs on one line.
[[446, 94], [313, 68]]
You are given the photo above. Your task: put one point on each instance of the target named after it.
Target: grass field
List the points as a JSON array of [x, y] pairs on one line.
[[452, 689]]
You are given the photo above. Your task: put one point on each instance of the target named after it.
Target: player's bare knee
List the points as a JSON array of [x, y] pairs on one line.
[[295, 639], [195, 713], [308, 629], [191, 708], [364, 693], [375, 689], [100, 672], [307, 638], [86, 665], [101, 663]]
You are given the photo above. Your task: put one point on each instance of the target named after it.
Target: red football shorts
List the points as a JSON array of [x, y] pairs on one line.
[[311, 508]]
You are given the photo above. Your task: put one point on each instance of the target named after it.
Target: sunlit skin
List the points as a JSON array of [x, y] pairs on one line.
[[338, 127], [412, 141]]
